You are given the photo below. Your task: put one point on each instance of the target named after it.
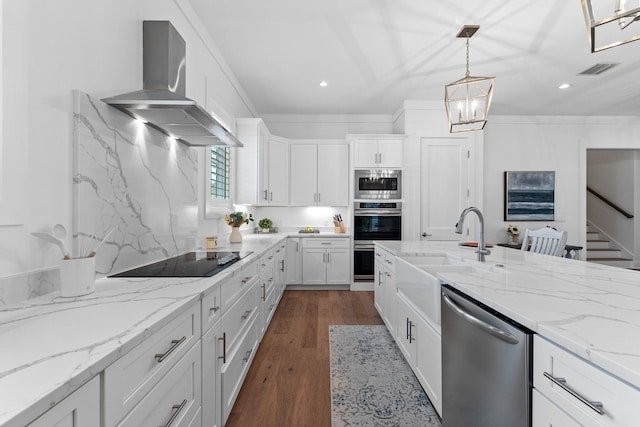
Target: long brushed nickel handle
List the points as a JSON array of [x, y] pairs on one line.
[[176, 410], [562, 383], [224, 348], [174, 344]]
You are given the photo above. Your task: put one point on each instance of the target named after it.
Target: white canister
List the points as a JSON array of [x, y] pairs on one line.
[[77, 276]]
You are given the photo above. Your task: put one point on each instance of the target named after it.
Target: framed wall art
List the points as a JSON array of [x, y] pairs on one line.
[[529, 196]]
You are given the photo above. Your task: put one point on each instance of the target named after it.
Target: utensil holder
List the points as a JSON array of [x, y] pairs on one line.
[[77, 276], [340, 228]]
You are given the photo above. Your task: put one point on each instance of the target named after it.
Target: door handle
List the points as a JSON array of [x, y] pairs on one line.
[[496, 332], [426, 235]]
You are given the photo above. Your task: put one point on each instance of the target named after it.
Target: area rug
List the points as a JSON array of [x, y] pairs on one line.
[[371, 383]]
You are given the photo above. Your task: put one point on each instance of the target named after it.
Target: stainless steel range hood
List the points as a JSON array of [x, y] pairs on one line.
[[162, 103]]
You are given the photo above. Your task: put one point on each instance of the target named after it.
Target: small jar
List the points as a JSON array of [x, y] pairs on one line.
[[212, 242]]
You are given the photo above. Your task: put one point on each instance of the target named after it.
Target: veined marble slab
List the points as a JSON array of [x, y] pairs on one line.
[[133, 179], [51, 345], [590, 309]]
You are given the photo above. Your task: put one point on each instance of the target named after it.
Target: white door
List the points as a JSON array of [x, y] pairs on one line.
[[338, 267], [445, 190], [304, 170], [278, 173], [314, 266], [333, 175], [365, 153], [390, 153]]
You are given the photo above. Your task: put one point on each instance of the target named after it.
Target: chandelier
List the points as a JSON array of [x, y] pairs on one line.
[[608, 30], [468, 99]]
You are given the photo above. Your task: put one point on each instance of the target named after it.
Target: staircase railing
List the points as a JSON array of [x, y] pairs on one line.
[[609, 202]]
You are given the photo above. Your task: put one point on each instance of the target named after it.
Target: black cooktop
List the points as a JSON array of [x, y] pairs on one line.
[[192, 264]]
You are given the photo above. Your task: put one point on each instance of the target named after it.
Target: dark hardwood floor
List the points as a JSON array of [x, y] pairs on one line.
[[288, 383]]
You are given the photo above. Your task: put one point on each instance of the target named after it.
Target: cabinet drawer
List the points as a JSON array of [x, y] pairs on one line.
[[311, 242], [619, 400], [238, 362], [266, 260], [211, 309], [234, 322], [235, 286], [176, 398], [80, 408], [132, 376], [269, 306], [389, 261], [379, 254], [545, 413]]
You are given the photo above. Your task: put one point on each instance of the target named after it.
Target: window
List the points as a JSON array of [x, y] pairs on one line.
[[220, 172]]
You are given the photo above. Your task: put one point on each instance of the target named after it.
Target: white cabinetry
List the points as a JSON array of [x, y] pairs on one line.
[[81, 408], [319, 175], [211, 362], [377, 151], [294, 261], [385, 287], [421, 345], [280, 268], [325, 261], [262, 165], [129, 380], [577, 389]]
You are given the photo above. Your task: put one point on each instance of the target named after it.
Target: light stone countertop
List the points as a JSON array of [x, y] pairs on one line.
[[51, 345], [590, 309]]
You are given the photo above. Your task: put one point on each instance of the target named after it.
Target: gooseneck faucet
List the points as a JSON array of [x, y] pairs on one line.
[[482, 251]]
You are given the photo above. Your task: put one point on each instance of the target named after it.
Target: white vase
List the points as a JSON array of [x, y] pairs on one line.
[[235, 236]]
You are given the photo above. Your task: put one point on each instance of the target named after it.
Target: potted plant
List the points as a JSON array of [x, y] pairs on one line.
[[265, 225]]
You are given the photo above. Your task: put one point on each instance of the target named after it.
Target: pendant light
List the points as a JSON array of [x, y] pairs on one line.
[[607, 30], [468, 99]]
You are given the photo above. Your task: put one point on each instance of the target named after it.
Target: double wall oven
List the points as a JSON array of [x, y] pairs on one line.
[[373, 220]]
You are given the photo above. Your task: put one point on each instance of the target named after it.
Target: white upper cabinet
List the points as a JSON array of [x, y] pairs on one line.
[[377, 151], [319, 175], [262, 165]]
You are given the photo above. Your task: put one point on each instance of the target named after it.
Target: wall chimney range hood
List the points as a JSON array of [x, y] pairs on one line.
[[162, 103]]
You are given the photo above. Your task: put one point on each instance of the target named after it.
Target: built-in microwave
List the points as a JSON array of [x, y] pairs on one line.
[[378, 184]]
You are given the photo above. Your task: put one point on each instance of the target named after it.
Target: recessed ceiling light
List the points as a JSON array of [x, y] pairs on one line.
[[564, 86], [324, 84]]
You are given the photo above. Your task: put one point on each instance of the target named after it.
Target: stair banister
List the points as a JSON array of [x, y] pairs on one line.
[[610, 203]]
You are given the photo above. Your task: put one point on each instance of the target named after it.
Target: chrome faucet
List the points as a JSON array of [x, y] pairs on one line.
[[482, 251]]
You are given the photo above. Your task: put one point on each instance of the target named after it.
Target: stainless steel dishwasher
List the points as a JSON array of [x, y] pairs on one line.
[[486, 365]]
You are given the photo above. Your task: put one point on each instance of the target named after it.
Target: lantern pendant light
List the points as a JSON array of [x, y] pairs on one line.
[[609, 22], [468, 99]]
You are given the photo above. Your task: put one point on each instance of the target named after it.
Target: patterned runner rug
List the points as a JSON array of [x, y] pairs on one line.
[[371, 383]]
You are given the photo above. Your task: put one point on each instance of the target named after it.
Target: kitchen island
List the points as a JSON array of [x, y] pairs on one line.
[[590, 310]]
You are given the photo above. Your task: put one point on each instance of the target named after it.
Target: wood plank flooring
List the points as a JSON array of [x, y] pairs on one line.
[[288, 382]]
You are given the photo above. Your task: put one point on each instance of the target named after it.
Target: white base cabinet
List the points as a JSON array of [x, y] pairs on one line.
[[175, 400], [385, 287], [294, 261], [421, 346], [325, 261], [80, 409], [211, 378], [576, 388]]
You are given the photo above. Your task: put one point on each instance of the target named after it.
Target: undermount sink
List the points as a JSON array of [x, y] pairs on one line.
[[418, 275]]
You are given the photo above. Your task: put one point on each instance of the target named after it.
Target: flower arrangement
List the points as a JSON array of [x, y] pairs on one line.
[[265, 224], [236, 219], [514, 232]]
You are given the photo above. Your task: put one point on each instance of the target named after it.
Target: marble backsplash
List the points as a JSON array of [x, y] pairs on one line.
[[134, 180], [128, 178]]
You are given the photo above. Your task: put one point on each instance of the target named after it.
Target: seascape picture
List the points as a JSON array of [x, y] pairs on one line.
[[529, 196]]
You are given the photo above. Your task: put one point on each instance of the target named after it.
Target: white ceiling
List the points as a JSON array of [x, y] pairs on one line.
[[376, 53]]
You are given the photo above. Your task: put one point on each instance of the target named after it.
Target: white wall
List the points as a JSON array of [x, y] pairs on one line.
[[50, 48], [549, 143]]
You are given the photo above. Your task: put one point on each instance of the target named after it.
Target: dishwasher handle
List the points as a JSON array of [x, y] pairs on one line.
[[496, 332]]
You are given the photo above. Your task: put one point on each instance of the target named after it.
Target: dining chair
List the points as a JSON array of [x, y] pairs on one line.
[[545, 241]]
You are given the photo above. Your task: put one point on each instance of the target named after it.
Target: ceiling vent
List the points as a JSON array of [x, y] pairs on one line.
[[597, 69]]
